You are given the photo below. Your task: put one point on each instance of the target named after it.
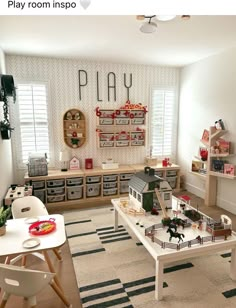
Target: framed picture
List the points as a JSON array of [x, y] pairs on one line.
[[229, 169], [205, 135], [74, 163]]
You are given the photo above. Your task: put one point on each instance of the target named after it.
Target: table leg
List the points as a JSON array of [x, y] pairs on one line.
[[51, 268], [159, 280], [233, 264], [115, 219]]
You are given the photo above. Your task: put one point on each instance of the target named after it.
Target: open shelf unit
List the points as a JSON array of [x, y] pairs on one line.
[[120, 128], [79, 188], [74, 128], [216, 165]]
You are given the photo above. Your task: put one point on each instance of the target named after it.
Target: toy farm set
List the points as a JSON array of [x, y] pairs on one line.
[[178, 225]]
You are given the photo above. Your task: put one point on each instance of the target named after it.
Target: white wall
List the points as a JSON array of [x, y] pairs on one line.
[[208, 93], [6, 173], [62, 75]]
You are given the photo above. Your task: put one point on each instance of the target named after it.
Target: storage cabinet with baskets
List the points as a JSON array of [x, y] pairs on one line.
[[120, 128], [86, 187]]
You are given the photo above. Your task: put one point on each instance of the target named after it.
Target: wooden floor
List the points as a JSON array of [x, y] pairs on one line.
[[49, 299]]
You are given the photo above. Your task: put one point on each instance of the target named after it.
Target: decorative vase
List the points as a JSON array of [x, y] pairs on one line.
[[2, 230]]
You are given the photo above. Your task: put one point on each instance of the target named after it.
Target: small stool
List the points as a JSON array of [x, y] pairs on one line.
[[185, 198]]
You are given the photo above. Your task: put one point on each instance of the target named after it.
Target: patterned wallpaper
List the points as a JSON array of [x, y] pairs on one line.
[[62, 75]]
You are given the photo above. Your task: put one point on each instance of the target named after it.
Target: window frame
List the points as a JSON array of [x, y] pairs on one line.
[[16, 145], [174, 130]]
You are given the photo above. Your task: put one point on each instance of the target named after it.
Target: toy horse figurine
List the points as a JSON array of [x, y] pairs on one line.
[[175, 234]]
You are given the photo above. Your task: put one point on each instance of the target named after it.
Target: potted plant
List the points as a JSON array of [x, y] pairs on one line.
[[4, 215], [75, 142]]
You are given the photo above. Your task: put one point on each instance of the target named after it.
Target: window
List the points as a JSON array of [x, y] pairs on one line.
[[163, 122], [32, 101]]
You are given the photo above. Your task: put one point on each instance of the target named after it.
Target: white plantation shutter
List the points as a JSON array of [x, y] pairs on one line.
[[163, 122], [33, 119]]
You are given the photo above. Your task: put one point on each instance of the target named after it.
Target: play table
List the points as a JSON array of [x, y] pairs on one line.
[[163, 256]]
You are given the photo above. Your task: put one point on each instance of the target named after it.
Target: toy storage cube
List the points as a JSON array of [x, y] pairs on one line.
[[55, 183], [40, 194], [172, 181], [51, 199], [126, 176], [171, 173], [93, 179], [93, 190], [110, 178], [124, 187], [159, 173], [75, 192], [38, 184], [110, 191], [74, 181], [56, 191], [109, 185]]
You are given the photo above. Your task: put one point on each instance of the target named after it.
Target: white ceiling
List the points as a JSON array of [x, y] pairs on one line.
[[117, 39]]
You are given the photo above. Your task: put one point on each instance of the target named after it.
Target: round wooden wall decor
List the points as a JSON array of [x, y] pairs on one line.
[[74, 128]]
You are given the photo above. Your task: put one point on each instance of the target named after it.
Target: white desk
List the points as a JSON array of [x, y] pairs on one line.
[[167, 255], [17, 230]]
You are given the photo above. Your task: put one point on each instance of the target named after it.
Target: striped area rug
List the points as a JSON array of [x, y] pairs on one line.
[[113, 269]]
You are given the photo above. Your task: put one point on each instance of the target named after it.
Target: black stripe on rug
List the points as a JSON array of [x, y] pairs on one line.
[[101, 295], [88, 252], [139, 282], [108, 228], [139, 244], [99, 285], [113, 235], [112, 231], [111, 303], [177, 267], [143, 290], [117, 240], [81, 234], [229, 293], [226, 255], [77, 222]]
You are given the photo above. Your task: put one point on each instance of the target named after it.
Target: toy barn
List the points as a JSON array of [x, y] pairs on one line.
[[142, 189]]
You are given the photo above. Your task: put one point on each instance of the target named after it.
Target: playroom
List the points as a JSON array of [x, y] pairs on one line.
[[117, 161]]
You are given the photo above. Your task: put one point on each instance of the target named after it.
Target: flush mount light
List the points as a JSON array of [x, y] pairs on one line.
[[165, 17]]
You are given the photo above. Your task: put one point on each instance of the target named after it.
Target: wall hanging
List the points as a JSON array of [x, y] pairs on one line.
[[74, 128], [7, 89]]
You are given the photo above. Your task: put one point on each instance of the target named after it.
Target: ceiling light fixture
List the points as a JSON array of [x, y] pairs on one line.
[[165, 17], [150, 26]]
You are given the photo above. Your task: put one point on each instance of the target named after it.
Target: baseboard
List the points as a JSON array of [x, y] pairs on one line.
[[226, 205], [220, 202], [195, 190]]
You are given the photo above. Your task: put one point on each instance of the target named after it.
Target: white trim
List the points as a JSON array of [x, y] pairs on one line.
[[16, 140]]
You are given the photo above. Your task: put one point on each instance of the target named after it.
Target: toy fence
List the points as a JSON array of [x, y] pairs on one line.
[[149, 232]]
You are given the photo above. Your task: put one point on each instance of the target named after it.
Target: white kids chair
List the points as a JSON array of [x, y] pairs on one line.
[[26, 207], [27, 283]]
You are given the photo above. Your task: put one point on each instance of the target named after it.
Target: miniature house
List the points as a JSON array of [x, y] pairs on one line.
[[142, 189]]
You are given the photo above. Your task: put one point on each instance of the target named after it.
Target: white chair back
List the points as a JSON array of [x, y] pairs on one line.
[[23, 282], [28, 206]]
